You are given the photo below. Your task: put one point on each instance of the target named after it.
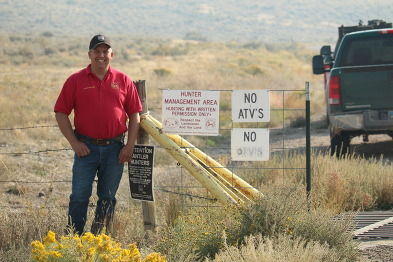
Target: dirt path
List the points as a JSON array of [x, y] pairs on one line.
[[376, 250], [295, 138]]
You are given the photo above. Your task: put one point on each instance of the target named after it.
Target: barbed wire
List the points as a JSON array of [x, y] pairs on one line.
[[26, 127], [34, 207], [161, 189], [70, 149], [35, 182], [36, 152], [189, 195]]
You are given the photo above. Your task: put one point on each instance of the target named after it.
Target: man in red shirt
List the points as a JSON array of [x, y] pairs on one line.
[[102, 99]]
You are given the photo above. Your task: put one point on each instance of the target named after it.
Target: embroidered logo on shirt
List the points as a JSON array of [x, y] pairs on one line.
[[89, 87], [115, 85]]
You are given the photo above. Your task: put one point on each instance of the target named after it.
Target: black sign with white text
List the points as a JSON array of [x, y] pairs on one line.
[[140, 171]]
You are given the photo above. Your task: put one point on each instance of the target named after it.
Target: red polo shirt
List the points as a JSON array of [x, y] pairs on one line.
[[100, 107]]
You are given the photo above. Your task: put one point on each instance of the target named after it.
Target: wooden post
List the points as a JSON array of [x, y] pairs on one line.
[[148, 207]]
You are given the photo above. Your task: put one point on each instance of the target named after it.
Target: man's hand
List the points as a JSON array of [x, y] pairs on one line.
[[128, 149], [125, 154], [80, 148]]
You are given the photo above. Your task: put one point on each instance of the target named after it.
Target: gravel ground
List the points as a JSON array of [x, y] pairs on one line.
[[376, 251]]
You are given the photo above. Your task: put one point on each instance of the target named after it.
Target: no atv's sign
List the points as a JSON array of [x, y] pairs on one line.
[[250, 144], [250, 106]]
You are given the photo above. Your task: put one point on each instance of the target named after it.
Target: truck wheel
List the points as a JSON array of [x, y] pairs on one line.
[[339, 144]]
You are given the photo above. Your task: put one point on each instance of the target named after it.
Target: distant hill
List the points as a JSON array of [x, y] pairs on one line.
[[213, 20]]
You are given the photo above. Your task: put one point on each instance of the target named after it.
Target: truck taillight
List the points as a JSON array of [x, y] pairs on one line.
[[334, 90], [386, 31]]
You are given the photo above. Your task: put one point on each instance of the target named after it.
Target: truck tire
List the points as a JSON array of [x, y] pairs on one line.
[[339, 144]]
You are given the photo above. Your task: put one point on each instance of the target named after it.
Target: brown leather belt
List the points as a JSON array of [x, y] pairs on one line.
[[100, 142]]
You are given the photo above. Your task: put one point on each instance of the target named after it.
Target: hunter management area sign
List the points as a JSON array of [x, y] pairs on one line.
[[191, 112]]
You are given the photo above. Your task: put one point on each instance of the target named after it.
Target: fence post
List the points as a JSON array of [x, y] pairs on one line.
[[148, 207], [308, 142]]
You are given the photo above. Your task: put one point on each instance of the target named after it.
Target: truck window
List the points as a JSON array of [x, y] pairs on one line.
[[370, 50]]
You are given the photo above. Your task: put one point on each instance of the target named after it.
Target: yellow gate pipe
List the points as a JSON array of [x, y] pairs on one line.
[[233, 192], [236, 181], [186, 161], [229, 176]]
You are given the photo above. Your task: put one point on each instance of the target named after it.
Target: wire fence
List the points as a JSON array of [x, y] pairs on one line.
[[178, 182]]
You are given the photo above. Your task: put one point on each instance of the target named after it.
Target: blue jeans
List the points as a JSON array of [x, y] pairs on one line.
[[103, 162]]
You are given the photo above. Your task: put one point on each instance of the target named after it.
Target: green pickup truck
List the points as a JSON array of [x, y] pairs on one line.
[[358, 83]]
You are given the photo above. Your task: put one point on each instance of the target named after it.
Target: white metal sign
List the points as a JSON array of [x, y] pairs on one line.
[[250, 106], [250, 144], [191, 112]]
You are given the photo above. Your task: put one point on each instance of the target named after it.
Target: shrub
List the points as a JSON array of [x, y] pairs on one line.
[[297, 121], [281, 219], [198, 235], [87, 248], [280, 248], [161, 72], [288, 213], [253, 70]]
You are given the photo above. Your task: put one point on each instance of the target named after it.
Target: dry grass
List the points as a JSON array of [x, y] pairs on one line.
[[29, 217], [281, 217], [281, 248]]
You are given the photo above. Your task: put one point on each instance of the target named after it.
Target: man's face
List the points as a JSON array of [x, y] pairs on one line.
[[100, 57]]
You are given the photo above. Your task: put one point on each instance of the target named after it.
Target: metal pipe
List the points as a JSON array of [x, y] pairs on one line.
[[229, 176], [308, 141], [187, 162]]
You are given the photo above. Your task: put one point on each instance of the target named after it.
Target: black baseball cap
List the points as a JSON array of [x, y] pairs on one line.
[[97, 40]]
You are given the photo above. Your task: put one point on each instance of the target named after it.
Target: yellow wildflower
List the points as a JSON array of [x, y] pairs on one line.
[[50, 238], [104, 257], [37, 245], [86, 248], [105, 237], [155, 257], [56, 254], [98, 240], [89, 237], [59, 246], [134, 252], [91, 251]]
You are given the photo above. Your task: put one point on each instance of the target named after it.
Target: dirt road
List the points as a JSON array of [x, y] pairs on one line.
[[295, 138]]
